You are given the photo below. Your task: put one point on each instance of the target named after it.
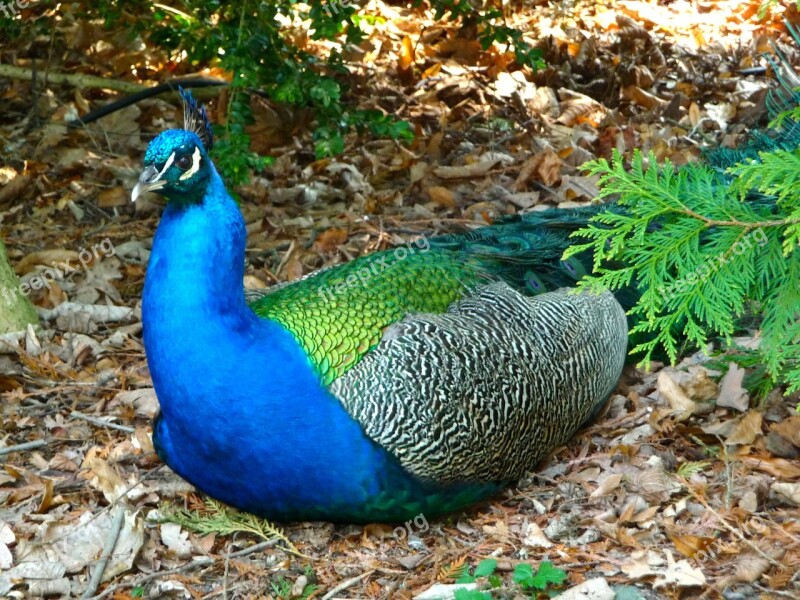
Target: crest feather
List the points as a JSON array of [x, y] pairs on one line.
[[195, 118]]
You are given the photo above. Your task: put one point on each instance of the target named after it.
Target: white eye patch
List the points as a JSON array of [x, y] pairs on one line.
[[195, 165], [167, 165]]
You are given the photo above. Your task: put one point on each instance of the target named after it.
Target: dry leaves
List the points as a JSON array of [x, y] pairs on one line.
[[615, 504]]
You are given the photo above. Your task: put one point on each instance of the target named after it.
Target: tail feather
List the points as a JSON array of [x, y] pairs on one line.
[[781, 99]]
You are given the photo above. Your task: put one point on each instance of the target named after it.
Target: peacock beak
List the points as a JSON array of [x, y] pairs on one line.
[[149, 181]]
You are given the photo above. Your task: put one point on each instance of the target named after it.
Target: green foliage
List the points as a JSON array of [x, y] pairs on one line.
[[471, 595], [282, 588], [484, 569], [220, 519], [688, 469], [702, 253], [546, 576]]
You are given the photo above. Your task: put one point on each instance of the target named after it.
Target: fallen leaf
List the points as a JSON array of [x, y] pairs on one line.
[[749, 568], [49, 258], [608, 485], [330, 239], [680, 573], [681, 404], [746, 429], [642, 563], [176, 540], [475, 169], [444, 591], [534, 537], [105, 479], [789, 429], [596, 588], [780, 446], [688, 544], [698, 385], [116, 196], [79, 543], [544, 166], [788, 492], [777, 467], [441, 196], [732, 393], [639, 96]]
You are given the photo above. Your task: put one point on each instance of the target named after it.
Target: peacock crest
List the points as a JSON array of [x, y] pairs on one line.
[[195, 119]]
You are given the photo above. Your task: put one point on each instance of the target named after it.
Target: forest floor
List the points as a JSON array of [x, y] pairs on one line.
[[684, 487]]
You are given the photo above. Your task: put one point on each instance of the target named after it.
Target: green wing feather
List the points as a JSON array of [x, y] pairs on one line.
[[339, 314]]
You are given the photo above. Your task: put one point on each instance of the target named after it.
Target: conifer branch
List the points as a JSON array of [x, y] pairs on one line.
[[702, 252]]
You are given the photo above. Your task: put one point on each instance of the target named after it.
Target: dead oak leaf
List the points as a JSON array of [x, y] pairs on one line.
[[778, 467], [788, 492], [330, 239], [789, 429], [732, 393], [746, 429], [544, 166]]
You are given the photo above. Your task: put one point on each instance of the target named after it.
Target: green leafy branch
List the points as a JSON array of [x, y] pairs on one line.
[[702, 253], [223, 520]]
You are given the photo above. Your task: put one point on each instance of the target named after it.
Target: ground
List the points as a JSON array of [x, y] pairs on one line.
[[684, 487]]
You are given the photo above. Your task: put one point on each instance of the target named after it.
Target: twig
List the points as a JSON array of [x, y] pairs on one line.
[[75, 80], [100, 422], [23, 447], [775, 592], [108, 548], [734, 531], [346, 584], [200, 562]]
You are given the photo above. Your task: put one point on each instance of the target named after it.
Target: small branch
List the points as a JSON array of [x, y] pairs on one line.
[[736, 533], [75, 80], [201, 562], [100, 422], [108, 548], [25, 446], [734, 223], [346, 584]]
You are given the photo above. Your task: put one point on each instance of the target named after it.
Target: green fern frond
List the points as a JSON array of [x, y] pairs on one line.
[[223, 520], [688, 469]]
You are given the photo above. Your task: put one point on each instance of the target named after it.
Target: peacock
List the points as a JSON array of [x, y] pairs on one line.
[[417, 380]]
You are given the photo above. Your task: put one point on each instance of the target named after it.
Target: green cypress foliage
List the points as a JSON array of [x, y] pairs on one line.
[[705, 251]]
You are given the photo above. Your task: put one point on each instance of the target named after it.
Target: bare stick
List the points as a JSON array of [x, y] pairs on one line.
[[346, 584], [108, 548], [100, 422], [75, 80], [735, 531], [23, 447], [200, 562]]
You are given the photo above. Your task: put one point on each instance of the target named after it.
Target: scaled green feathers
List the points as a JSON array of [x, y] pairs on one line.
[[353, 303]]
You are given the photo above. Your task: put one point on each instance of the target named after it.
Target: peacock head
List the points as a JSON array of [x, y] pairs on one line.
[[176, 163]]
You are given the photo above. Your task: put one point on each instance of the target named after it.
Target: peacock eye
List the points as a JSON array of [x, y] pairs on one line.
[[184, 162]]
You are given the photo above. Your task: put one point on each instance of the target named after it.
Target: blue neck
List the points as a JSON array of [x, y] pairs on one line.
[[237, 392]]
